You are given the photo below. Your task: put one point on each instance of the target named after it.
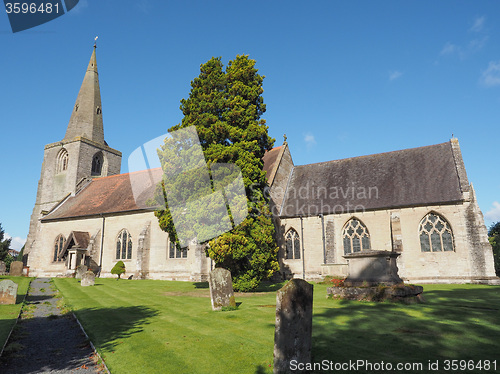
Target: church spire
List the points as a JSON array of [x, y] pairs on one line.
[[86, 118]]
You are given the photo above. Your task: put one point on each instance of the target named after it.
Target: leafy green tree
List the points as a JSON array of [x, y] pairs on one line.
[[225, 107], [4, 245], [494, 237], [118, 269]]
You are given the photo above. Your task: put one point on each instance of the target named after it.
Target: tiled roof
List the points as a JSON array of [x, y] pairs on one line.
[[269, 159], [113, 194], [418, 176]]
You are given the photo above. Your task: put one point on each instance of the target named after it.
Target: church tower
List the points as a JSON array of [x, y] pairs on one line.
[[70, 164]]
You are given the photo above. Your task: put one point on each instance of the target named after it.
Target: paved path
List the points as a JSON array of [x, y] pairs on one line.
[[46, 340]]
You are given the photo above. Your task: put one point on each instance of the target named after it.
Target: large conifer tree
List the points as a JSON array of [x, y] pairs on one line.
[[4, 244], [226, 106]]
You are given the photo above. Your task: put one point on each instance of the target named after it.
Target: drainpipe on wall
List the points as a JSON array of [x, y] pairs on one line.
[[102, 245], [323, 233], [303, 260]]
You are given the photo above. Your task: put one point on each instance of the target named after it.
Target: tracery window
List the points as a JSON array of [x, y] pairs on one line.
[[435, 234], [58, 247], [175, 252], [292, 245], [124, 246], [97, 162], [62, 161], [355, 236]]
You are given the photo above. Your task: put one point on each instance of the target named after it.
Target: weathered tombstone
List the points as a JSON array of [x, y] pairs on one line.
[[221, 289], [293, 331], [88, 279], [80, 270], [16, 269], [8, 292], [3, 268]]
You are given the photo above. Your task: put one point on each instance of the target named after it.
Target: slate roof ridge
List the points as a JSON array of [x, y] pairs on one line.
[[373, 155]]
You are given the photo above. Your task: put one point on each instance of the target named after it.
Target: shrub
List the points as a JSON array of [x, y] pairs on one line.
[[118, 269]]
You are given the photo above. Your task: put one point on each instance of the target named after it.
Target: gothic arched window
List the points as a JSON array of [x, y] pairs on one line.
[[292, 245], [124, 245], [175, 252], [355, 236], [97, 162], [58, 247], [435, 234], [62, 161]]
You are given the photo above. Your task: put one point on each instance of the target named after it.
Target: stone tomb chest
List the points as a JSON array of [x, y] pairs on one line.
[[371, 268]]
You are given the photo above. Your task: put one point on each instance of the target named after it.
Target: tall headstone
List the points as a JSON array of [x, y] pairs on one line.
[[8, 292], [293, 331], [88, 279], [80, 270], [221, 289], [16, 269], [3, 268]]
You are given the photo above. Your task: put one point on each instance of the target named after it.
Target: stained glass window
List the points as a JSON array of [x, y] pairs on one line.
[[292, 245], [435, 234], [58, 246], [355, 236], [124, 246]]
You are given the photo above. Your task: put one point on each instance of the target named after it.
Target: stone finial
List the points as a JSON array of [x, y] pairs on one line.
[[284, 138]]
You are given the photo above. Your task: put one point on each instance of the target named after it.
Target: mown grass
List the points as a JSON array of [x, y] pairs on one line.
[[169, 327], [9, 313]]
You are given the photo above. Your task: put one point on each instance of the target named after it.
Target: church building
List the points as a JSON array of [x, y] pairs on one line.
[[417, 202]]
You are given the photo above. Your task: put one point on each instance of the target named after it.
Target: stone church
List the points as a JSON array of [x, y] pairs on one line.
[[417, 202]]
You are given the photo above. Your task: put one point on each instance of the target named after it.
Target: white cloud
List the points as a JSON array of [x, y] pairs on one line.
[[448, 49], [309, 139], [469, 46], [478, 24], [491, 76], [494, 213], [393, 75], [16, 243]]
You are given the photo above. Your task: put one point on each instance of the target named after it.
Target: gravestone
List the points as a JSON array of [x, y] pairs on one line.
[[88, 279], [8, 292], [80, 270], [3, 268], [293, 330], [16, 269], [221, 289]]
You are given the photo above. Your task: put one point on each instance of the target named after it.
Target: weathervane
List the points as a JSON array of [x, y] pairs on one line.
[[95, 42], [284, 138]]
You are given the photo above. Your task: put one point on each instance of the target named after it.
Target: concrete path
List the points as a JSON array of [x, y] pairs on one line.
[[45, 340]]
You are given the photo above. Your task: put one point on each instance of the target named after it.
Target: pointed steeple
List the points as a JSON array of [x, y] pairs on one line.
[[86, 118]]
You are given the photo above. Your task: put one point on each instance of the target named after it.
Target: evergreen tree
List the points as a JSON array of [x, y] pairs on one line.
[[226, 106], [4, 245], [118, 269], [494, 237]]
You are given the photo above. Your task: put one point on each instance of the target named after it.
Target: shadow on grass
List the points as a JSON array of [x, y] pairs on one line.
[[106, 326], [459, 323], [200, 284]]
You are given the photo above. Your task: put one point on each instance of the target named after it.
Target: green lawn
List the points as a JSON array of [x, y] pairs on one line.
[[168, 327], [9, 313]]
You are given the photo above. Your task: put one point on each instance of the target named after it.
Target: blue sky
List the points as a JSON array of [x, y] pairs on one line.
[[343, 79]]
